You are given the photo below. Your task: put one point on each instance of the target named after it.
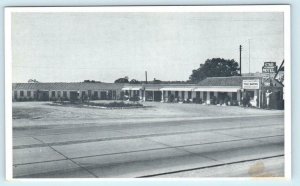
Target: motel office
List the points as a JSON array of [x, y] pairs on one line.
[[220, 88]]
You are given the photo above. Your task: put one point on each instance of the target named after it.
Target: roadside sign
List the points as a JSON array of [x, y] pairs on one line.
[[269, 69], [265, 76], [268, 75], [269, 64], [267, 83], [251, 84]]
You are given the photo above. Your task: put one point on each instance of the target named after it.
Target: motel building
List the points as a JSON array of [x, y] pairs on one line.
[[214, 90]]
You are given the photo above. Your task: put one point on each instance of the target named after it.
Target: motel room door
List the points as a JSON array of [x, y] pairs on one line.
[[157, 95]]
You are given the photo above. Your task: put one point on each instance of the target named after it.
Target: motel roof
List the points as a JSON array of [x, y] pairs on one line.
[[225, 81], [225, 84], [66, 86]]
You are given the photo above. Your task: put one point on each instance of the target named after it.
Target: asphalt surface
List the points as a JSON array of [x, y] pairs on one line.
[[244, 146]]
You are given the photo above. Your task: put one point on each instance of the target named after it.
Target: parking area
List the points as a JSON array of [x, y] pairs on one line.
[[162, 139]]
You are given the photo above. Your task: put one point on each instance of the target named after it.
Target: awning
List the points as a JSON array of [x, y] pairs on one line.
[[132, 88], [218, 89], [176, 89], [152, 89]]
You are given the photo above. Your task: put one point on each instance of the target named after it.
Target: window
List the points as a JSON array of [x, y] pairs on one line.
[[59, 94], [114, 94], [83, 93], [234, 96], [198, 95], [35, 94], [204, 95], [28, 93], [95, 94], [16, 94], [64, 94], [89, 93], [21, 93], [182, 94], [211, 94], [169, 93], [53, 93], [176, 93], [109, 94]]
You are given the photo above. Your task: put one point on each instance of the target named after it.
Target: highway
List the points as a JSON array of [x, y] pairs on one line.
[[237, 146]]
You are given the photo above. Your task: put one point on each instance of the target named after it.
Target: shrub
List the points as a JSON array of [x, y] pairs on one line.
[[213, 100], [134, 98], [197, 100], [171, 98], [53, 99], [114, 104]]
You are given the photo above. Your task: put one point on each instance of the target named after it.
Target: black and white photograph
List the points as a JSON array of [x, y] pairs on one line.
[[148, 92]]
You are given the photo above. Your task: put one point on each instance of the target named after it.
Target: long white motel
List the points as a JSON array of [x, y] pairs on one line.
[[214, 90]]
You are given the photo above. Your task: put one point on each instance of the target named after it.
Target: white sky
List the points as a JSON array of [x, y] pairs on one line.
[[72, 47]]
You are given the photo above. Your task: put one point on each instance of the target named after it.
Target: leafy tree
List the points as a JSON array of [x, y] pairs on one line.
[[122, 80], [157, 81], [32, 81], [215, 67], [134, 81]]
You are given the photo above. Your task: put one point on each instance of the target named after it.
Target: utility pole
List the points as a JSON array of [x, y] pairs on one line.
[[240, 60], [146, 77], [249, 55]]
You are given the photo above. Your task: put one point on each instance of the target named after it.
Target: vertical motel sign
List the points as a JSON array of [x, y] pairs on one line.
[[269, 69]]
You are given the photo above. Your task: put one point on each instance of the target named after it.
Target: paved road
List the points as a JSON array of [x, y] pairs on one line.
[[238, 146]]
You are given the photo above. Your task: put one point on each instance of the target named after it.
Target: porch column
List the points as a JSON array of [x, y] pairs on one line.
[[208, 97], [162, 96], [259, 98], [201, 95], [140, 94], [153, 95], [255, 98], [69, 94], [239, 97], [193, 94], [144, 98], [186, 95]]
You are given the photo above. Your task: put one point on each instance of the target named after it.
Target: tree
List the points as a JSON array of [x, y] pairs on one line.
[[32, 81], [157, 81], [215, 67], [122, 80], [134, 81]]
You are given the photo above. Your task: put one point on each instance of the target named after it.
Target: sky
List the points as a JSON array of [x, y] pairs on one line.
[[72, 47]]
